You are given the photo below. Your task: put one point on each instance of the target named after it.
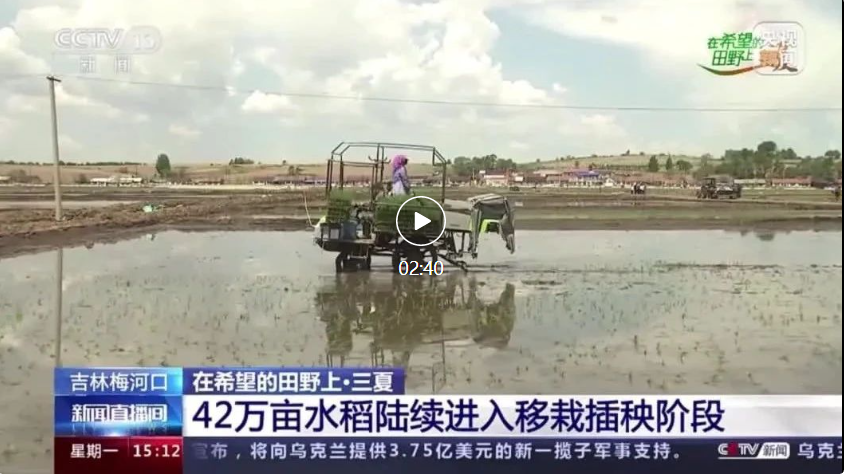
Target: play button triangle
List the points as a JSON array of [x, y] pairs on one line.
[[420, 221]]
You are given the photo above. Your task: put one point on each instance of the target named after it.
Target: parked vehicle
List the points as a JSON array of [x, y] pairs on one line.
[[716, 187]]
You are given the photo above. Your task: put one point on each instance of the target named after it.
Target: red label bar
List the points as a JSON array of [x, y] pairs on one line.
[[124, 455]]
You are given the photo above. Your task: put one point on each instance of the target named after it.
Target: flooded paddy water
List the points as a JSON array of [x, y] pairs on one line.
[[570, 312]]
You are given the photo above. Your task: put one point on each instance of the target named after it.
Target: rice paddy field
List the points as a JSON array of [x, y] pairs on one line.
[[678, 312]]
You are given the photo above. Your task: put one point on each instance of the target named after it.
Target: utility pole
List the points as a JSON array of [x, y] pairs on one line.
[[57, 185]]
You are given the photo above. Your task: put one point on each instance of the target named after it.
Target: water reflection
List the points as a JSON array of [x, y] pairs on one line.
[[764, 235], [58, 304], [398, 315]]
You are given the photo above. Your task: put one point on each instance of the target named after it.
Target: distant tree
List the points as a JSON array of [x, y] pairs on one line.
[[577, 164], [241, 161], [81, 178], [538, 160], [291, 170], [18, 176], [684, 166], [283, 162], [462, 166], [162, 165], [123, 170], [767, 147], [835, 155], [592, 166], [653, 164], [669, 164], [763, 158], [778, 168], [626, 153], [641, 153], [21, 176], [788, 155], [705, 168], [508, 164]]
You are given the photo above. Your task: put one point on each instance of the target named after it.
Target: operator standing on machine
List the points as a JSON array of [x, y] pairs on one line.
[[401, 183]]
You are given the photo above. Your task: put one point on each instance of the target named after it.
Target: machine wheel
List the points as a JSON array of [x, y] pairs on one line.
[[367, 264], [341, 262], [408, 253], [432, 253], [415, 254], [396, 259]]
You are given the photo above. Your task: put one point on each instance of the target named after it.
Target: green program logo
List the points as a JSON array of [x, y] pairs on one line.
[[770, 48]]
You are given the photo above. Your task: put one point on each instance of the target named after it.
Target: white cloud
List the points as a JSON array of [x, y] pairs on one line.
[[601, 125], [263, 55], [17, 103], [21, 103], [12, 58], [441, 50], [64, 98], [68, 144], [259, 102], [517, 145], [184, 131], [238, 67], [5, 126], [558, 88], [672, 38]]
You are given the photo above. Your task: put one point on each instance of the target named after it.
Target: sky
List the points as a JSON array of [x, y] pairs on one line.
[[512, 66]]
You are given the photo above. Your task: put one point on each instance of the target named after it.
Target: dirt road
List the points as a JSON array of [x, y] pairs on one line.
[[26, 228]]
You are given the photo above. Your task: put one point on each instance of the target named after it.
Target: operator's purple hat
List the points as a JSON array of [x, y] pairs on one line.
[[399, 161]]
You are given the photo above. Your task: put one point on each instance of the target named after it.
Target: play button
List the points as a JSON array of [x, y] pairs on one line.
[[420, 221], [415, 221]]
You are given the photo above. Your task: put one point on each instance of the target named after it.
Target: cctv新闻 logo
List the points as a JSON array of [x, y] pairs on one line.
[[135, 40], [759, 451]]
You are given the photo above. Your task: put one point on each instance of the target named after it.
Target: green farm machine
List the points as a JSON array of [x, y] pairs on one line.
[[362, 223]]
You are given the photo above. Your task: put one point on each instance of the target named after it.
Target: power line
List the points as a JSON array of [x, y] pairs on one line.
[[14, 77], [302, 95]]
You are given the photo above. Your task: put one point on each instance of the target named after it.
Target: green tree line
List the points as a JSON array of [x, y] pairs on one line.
[[769, 161], [465, 166], [241, 161]]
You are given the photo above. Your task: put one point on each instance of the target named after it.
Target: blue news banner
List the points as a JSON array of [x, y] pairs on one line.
[[347, 420]]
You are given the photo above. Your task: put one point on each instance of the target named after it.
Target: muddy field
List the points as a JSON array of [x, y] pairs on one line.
[[27, 224], [675, 312]]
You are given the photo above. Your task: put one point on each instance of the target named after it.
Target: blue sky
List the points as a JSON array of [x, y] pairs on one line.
[[571, 52]]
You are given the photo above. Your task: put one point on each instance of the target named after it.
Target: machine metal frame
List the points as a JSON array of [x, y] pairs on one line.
[[356, 241]]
